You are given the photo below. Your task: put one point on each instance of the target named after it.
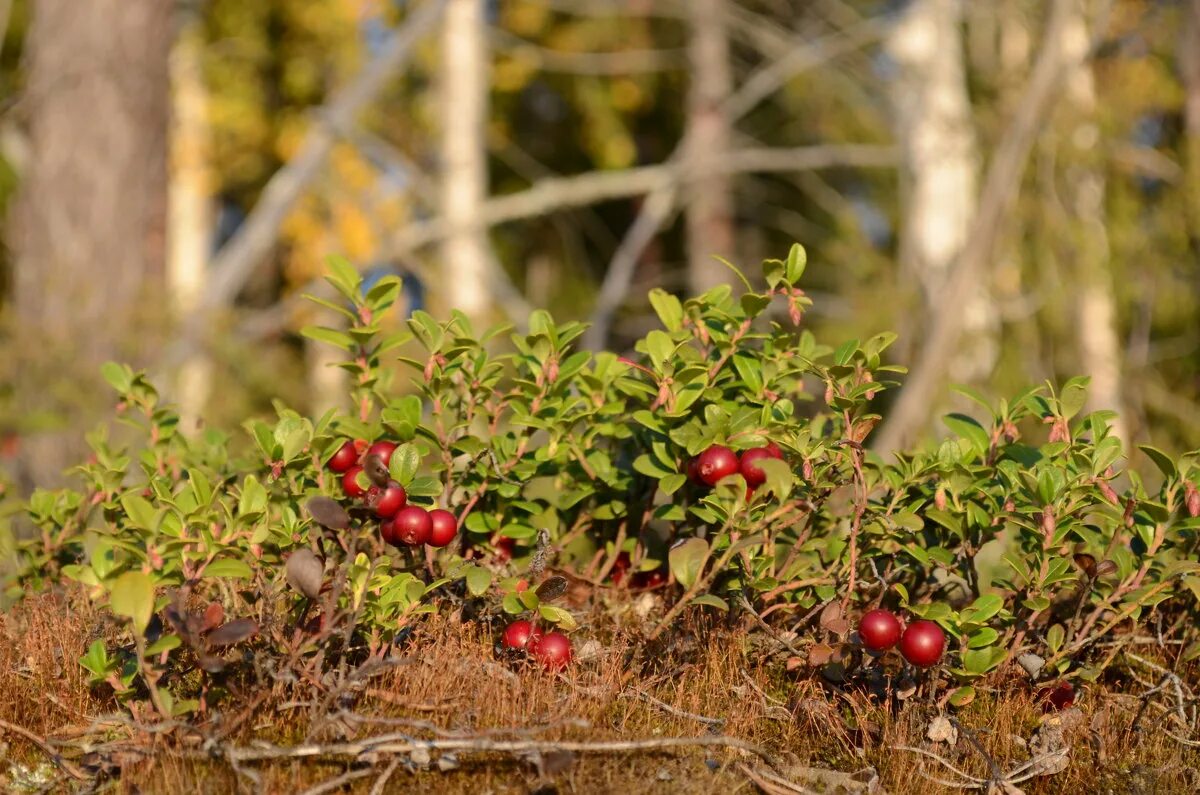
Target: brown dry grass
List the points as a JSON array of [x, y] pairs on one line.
[[453, 681]]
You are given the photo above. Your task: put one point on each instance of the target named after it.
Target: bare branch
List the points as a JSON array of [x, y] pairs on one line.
[[239, 257]]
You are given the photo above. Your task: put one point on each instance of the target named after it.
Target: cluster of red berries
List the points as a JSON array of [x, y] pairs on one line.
[[921, 642], [552, 650], [718, 462], [402, 524]]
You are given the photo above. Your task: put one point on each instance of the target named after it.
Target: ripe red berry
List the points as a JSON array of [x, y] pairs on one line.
[[384, 450], [387, 531], [552, 650], [412, 525], [518, 634], [693, 472], [351, 484], [620, 568], [879, 630], [647, 580], [504, 548], [387, 500], [715, 463], [1058, 697], [751, 471], [444, 528], [922, 643], [345, 457]]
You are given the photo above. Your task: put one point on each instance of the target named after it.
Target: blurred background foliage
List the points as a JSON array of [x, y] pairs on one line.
[[1107, 201]]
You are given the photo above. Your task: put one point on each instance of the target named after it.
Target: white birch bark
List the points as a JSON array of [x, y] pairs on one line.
[[464, 102]]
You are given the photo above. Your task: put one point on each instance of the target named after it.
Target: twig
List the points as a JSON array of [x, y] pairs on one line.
[[45, 748], [768, 628], [337, 782], [771, 783], [381, 782], [941, 761], [665, 707], [395, 744]]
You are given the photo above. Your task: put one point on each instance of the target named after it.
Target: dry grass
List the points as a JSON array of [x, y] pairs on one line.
[[453, 683]]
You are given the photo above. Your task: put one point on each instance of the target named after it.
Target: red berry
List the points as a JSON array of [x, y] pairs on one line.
[[647, 580], [387, 531], [345, 457], [620, 568], [518, 634], [412, 525], [522, 586], [1059, 697], [879, 630], [351, 484], [553, 650], [751, 471], [922, 643], [384, 450], [715, 463], [387, 500], [504, 548], [693, 472], [444, 528]]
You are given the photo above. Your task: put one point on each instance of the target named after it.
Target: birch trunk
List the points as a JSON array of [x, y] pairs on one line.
[[709, 197], [464, 101], [1095, 302], [190, 210], [940, 165]]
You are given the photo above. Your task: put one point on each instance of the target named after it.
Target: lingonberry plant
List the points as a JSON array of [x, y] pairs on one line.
[[729, 452]]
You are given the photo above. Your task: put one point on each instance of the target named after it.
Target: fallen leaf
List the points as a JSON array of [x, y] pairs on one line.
[[941, 730]]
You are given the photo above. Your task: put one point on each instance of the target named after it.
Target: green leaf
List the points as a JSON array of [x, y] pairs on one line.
[[343, 276], [119, 376], [686, 559], [711, 601], [556, 615], [672, 483], [980, 661], [1073, 397], [797, 261], [254, 497], [165, 643], [96, 660], [660, 346], [403, 466], [969, 429], [331, 336], [132, 596], [1161, 460], [962, 696], [1054, 638], [982, 609], [139, 512], [479, 580], [668, 308], [231, 568]]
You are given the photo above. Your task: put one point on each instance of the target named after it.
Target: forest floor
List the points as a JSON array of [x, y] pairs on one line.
[[715, 710]]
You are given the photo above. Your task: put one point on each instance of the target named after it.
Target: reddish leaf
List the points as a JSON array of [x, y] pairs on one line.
[[214, 614], [236, 630], [327, 513]]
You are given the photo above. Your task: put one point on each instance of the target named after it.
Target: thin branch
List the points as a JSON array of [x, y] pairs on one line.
[[336, 783], [237, 260], [45, 748]]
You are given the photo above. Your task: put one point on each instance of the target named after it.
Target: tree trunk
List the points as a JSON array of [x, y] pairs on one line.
[[464, 102], [940, 162], [1189, 66], [89, 227], [190, 205], [709, 197], [1095, 302]]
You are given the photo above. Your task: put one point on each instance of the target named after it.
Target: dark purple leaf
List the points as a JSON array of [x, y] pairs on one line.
[[377, 471], [236, 630], [304, 572], [551, 588], [327, 513]]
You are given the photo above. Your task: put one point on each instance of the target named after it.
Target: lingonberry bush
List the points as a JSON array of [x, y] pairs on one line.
[[728, 452]]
